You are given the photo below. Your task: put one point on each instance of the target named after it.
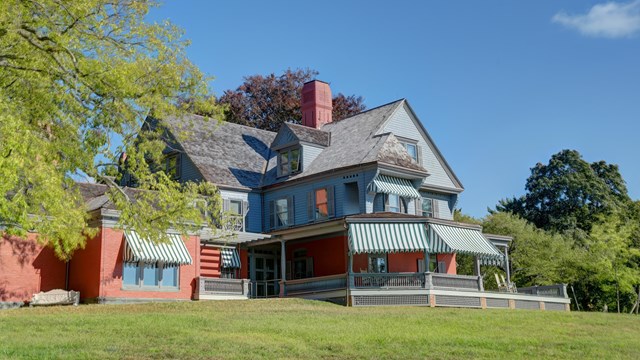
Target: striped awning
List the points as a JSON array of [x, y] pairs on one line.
[[387, 237], [230, 258], [451, 239], [393, 185], [142, 249]]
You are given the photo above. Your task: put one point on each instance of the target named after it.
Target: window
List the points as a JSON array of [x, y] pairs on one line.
[[149, 275], [377, 263], [235, 207], [412, 149], [435, 265], [427, 207], [395, 203], [281, 212], [228, 273], [172, 165], [289, 162], [322, 204]]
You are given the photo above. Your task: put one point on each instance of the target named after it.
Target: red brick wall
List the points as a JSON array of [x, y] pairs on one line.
[[210, 261], [329, 254], [27, 268], [111, 270], [84, 269]]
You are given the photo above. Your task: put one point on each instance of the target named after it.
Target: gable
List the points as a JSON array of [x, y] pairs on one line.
[[403, 123], [285, 136]]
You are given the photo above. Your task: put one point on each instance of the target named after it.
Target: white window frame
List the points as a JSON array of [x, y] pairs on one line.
[[422, 211], [402, 206]]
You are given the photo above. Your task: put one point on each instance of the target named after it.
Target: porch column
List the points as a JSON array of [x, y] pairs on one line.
[[350, 280], [283, 267], [426, 261], [479, 274], [506, 264]]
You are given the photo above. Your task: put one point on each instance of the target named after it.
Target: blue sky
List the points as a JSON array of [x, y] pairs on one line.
[[500, 85]]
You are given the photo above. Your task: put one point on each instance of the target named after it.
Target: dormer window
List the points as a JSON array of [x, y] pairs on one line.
[[413, 149], [172, 165], [289, 162]]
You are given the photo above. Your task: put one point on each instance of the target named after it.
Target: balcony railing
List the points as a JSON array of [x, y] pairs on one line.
[[316, 284], [233, 222], [457, 282]]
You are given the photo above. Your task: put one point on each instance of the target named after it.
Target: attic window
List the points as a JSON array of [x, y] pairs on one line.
[[172, 165], [413, 149], [289, 162]]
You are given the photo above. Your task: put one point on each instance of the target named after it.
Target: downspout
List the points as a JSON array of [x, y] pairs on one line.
[[66, 274]]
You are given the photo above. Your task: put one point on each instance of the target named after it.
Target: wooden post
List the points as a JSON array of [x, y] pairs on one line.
[[283, 268], [507, 265]]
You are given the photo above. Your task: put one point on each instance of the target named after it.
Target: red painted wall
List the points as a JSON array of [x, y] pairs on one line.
[[449, 261], [27, 268], [329, 255], [210, 261], [404, 261], [111, 270], [84, 269]]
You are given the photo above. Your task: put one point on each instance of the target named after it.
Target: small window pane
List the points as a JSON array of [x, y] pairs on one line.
[[322, 205], [150, 275], [427, 207], [170, 276], [284, 163], [413, 151], [235, 207], [295, 160], [394, 203], [282, 213], [130, 273]]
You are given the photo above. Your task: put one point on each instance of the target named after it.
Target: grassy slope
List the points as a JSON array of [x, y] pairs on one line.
[[307, 329]]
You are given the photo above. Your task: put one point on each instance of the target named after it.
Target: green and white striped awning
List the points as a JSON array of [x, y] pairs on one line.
[[230, 258], [451, 239], [393, 185], [142, 249], [387, 237]]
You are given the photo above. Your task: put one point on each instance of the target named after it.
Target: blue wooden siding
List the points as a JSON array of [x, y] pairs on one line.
[[188, 170], [309, 153], [401, 124], [254, 216], [300, 195], [445, 204]]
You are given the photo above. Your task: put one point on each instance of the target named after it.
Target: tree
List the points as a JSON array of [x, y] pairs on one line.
[[266, 102], [77, 78], [568, 194]]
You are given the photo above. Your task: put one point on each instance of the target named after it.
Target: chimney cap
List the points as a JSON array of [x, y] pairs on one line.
[[316, 80]]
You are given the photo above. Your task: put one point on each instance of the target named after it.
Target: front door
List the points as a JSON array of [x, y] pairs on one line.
[[266, 283]]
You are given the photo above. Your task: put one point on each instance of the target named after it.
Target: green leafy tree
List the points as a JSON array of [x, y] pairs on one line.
[[265, 102], [569, 194], [77, 78]]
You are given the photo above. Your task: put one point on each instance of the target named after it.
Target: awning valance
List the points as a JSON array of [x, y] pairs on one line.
[[393, 185], [387, 237], [452, 239], [142, 249], [230, 258]]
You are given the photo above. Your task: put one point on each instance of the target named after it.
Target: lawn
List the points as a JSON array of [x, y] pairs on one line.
[[309, 329]]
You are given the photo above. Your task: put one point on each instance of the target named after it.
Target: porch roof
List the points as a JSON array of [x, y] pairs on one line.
[[140, 249], [230, 258], [372, 237], [448, 239], [393, 185]]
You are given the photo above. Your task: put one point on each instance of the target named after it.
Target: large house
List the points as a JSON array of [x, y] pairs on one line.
[[357, 211]]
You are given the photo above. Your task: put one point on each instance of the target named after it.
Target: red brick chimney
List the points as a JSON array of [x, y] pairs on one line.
[[316, 104]]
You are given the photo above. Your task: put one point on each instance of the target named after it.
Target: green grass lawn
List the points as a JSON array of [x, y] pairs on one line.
[[309, 329]]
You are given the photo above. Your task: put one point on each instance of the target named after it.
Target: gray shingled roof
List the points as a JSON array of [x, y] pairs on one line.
[[353, 142], [310, 135], [225, 153]]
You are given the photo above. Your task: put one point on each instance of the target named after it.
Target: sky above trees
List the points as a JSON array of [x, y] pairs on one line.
[[499, 85]]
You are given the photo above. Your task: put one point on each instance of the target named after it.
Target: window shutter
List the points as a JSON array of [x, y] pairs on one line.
[[245, 208], [330, 201], [290, 211], [310, 206], [419, 154], [435, 208], [226, 205], [272, 214], [418, 203]]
